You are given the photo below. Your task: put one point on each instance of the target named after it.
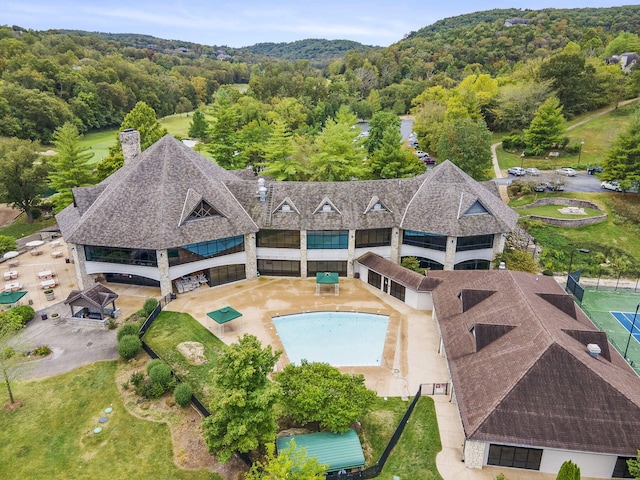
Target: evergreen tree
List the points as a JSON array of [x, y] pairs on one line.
[[390, 160], [467, 143], [222, 132], [378, 124], [569, 471], [279, 160], [70, 167], [199, 126], [290, 463], [546, 129], [623, 160]]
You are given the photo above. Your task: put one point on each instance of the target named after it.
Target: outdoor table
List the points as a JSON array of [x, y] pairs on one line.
[[13, 263], [45, 274], [35, 252], [10, 274], [48, 284], [55, 243], [11, 286], [56, 254]]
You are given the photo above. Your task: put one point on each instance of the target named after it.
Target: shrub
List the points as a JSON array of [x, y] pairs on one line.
[[7, 243], [512, 142], [128, 346], [547, 273], [112, 324], [160, 373], [42, 350], [149, 389], [153, 363], [8, 353], [25, 312], [128, 329], [150, 305], [182, 394], [136, 379]]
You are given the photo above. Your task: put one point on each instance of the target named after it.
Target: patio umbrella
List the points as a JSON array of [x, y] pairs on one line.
[[11, 254]]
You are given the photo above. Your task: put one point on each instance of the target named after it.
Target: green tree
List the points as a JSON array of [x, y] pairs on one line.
[[517, 260], [547, 127], [11, 362], [70, 167], [412, 263], [390, 160], [279, 160], [318, 392], [142, 118], [199, 126], [340, 153], [467, 143], [624, 42], [622, 162], [23, 175], [242, 416], [634, 466], [222, 132], [290, 463], [516, 104], [569, 471], [378, 124]]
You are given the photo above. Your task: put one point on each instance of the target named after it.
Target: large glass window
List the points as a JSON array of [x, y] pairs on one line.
[[428, 263], [279, 268], [127, 256], [476, 264], [327, 239], [425, 240], [131, 279], [376, 237], [397, 290], [327, 266], [477, 242], [374, 279], [227, 274], [621, 469], [199, 251], [518, 457], [278, 238]]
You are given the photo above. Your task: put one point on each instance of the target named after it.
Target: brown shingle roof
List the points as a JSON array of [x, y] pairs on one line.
[[397, 273], [534, 384], [98, 295]]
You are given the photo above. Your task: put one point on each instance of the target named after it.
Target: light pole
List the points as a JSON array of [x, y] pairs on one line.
[[521, 159], [633, 324], [581, 250], [580, 152]]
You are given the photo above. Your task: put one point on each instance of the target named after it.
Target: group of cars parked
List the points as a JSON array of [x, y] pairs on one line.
[[519, 171], [558, 185], [424, 156]]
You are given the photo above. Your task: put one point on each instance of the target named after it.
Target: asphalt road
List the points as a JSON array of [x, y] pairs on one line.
[[580, 183]]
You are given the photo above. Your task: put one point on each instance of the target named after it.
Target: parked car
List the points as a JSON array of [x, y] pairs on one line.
[[611, 185], [532, 171], [569, 172], [517, 171], [594, 170], [555, 186], [428, 160], [540, 187], [421, 154]]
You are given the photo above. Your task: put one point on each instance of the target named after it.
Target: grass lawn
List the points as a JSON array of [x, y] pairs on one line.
[[99, 143], [20, 228], [50, 436], [414, 456], [173, 328], [552, 211]]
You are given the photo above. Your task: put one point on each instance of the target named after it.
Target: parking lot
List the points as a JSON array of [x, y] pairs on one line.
[[582, 182]]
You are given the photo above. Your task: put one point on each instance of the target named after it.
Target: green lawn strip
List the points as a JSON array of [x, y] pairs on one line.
[[414, 456], [99, 143], [552, 211], [178, 124], [598, 303], [172, 328], [20, 228], [51, 435]]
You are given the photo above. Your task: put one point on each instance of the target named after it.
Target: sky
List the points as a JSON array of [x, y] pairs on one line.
[[247, 22]]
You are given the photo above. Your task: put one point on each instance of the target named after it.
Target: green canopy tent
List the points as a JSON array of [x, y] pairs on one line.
[[327, 278], [224, 315], [10, 299]]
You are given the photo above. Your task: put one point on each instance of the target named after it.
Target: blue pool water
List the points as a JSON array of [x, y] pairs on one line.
[[338, 338]]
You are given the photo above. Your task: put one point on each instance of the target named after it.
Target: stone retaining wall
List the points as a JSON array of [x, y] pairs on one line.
[[566, 222], [87, 322]]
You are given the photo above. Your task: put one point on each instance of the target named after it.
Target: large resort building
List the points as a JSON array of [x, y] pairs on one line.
[[170, 213]]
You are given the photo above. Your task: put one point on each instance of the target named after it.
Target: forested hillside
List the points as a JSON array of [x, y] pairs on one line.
[[319, 52]]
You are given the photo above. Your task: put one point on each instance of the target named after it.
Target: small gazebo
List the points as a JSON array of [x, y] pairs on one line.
[[224, 315], [10, 299], [94, 303], [328, 278]]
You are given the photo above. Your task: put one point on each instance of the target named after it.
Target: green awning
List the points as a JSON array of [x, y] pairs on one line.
[[7, 298], [224, 315], [327, 278], [337, 450]]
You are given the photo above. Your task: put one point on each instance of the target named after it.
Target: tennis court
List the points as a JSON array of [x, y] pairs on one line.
[[612, 312]]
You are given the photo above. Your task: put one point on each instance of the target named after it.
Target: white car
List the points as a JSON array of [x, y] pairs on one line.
[[611, 185], [569, 172], [533, 171], [517, 171]]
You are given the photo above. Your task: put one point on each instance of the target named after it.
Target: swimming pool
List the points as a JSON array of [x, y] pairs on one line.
[[340, 339]]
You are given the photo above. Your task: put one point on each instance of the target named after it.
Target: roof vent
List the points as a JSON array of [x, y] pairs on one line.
[[594, 350], [262, 190]]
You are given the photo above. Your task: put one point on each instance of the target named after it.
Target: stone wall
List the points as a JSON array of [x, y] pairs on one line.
[[474, 453], [567, 202]]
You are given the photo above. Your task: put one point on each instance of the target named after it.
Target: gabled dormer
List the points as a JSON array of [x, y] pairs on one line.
[[195, 208], [286, 206], [477, 208], [376, 205], [326, 206], [469, 298]]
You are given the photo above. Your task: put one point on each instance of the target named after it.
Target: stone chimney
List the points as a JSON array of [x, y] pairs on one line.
[[130, 141]]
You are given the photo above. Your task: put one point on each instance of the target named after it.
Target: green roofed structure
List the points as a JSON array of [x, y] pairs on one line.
[[10, 299], [327, 278], [338, 451], [224, 315]]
